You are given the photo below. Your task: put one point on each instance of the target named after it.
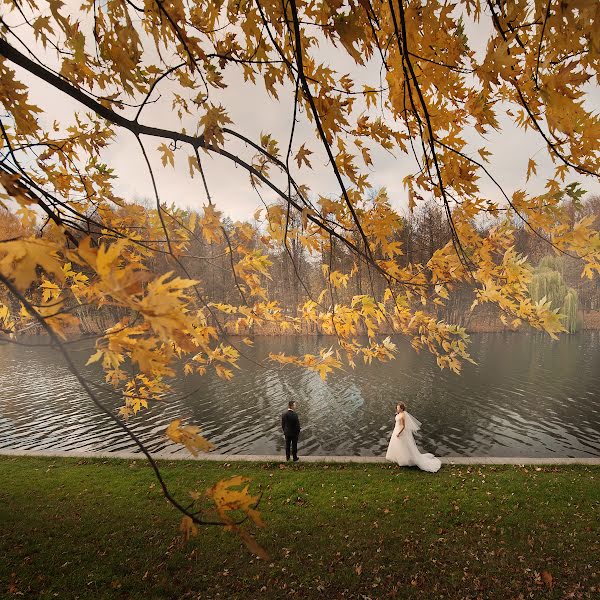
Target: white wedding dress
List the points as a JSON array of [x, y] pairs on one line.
[[403, 449]]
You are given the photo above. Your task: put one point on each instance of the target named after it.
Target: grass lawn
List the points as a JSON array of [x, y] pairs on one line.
[[72, 528]]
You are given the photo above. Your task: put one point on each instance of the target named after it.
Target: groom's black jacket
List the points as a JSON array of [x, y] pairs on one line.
[[290, 423]]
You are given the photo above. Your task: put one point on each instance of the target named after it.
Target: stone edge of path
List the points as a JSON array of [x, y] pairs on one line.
[[447, 460]]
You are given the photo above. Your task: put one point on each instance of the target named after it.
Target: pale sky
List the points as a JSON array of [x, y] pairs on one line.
[[254, 112]]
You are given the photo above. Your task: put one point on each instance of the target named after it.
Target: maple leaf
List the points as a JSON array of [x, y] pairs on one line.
[[192, 222], [338, 279], [230, 495], [188, 435], [484, 154], [210, 223], [49, 291], [19, 260], [223, 372], [167, 155], [23, 112], [213, 120], [370, 96], [531, 168], [302, 156], [193, 165]]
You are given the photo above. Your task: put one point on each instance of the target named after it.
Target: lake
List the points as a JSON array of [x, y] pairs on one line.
[[527, 396]]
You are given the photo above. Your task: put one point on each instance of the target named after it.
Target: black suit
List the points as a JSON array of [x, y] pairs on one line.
[[291, 429]]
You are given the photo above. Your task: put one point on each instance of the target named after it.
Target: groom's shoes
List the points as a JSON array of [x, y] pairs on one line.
[[296, 459]]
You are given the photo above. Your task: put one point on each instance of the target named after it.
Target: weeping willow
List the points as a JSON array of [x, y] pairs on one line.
[[552, 263], [569, 310], [547, 282]]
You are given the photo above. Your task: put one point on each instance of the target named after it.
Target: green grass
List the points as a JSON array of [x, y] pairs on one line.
[[101, 529]]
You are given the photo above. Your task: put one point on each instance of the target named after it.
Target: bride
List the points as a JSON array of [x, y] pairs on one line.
[[403, 449]]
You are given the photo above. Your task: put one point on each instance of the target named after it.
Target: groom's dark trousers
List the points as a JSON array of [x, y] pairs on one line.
[[291, 440], [290, 423]]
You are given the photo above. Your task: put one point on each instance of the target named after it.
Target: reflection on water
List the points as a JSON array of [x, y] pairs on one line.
[[528, 396]]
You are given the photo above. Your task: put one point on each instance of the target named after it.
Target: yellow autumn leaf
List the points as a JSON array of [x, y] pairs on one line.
[[189, 436], [19, 260], [213, 120], [210, 224], [49, 290], [484, 154], [223, 372], [531, 168], [302, 156], [167, 155], [230, 495]]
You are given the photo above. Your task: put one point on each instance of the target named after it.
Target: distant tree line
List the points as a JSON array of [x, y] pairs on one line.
[[296, 273]]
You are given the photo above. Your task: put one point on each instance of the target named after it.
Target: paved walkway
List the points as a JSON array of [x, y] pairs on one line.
[[447, 460]]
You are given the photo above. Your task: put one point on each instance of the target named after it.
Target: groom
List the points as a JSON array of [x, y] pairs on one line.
[[291, 429]]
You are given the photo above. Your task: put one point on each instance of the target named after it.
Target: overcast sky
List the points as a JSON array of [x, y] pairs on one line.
[[254, 112]]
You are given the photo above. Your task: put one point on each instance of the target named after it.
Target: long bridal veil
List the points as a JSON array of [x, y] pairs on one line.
[[411, 423]]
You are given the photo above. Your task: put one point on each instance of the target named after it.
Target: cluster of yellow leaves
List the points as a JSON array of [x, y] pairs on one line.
[[323, 363], [231, 496], [210, 224], [138, 391], [249, 268], [231, 500], [213, 120], [22, 262], [259, 314], [23, 112]]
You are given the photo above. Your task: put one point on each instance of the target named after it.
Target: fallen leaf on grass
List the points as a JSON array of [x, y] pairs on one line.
[[547, 579]]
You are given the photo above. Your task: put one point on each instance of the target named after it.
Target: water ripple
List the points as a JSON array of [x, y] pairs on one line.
[[527, 396]]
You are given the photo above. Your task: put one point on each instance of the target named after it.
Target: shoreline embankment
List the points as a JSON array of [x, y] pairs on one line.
[[269, 458]]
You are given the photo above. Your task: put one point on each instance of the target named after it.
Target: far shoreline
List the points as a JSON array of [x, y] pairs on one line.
[[72, 337]]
